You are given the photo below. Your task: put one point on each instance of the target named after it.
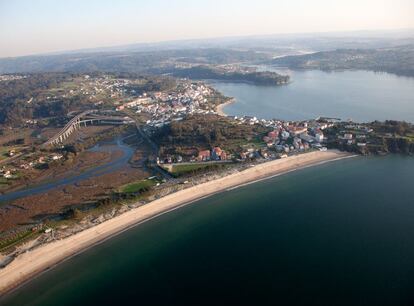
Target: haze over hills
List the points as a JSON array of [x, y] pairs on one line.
[[127, 61], [397, 60], [309, 41], [250, 49]]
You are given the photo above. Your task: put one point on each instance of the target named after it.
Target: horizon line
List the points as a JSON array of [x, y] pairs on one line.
[[251, 36]]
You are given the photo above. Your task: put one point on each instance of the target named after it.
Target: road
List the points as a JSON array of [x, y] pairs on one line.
[[152, 144]]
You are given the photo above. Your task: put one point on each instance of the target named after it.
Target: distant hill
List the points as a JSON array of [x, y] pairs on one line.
[[207, 72], [141, 57], [124, 61], [397, 60], [389, 53]]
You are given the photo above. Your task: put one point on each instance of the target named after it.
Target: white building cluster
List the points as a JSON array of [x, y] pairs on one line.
[[290, 136], [165, 107]]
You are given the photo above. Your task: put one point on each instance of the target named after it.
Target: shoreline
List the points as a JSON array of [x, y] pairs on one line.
[[31, 264], [220, 108]]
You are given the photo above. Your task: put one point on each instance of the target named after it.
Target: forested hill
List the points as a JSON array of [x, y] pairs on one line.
[[207, 72], [124, 61], [397, 60]]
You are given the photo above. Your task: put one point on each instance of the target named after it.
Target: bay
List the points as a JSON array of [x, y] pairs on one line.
[[362, 96], [334, 234]]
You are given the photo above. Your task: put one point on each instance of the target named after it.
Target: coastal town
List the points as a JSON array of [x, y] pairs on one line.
[[177, 135], [175, 105], [206, 153], [163, 107]]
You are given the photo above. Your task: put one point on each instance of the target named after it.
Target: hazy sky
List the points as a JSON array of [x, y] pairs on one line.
[[36, 26]]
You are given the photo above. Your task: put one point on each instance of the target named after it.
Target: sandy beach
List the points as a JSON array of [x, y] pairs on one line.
[[220, 108], [46, 256]]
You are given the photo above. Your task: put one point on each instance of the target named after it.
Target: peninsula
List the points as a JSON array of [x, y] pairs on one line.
[[231, 73]]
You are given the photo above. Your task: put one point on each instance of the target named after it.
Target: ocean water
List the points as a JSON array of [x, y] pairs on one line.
[[334, 234], [358, 95]]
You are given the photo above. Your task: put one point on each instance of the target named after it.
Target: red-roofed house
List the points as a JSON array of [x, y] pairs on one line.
[[273, 134], [203, 155]]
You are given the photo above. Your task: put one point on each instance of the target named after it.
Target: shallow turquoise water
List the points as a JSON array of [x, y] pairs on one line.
[[359, 95], [335, 234]]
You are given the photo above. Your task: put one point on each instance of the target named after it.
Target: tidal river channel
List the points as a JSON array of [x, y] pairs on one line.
[[116, 163]]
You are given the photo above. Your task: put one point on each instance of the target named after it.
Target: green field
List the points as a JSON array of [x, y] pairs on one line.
[[183, 169], [65, 86], [138, 186], [179, 170], [4, 181], [409, 137], [4, 152], [16, 239]]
